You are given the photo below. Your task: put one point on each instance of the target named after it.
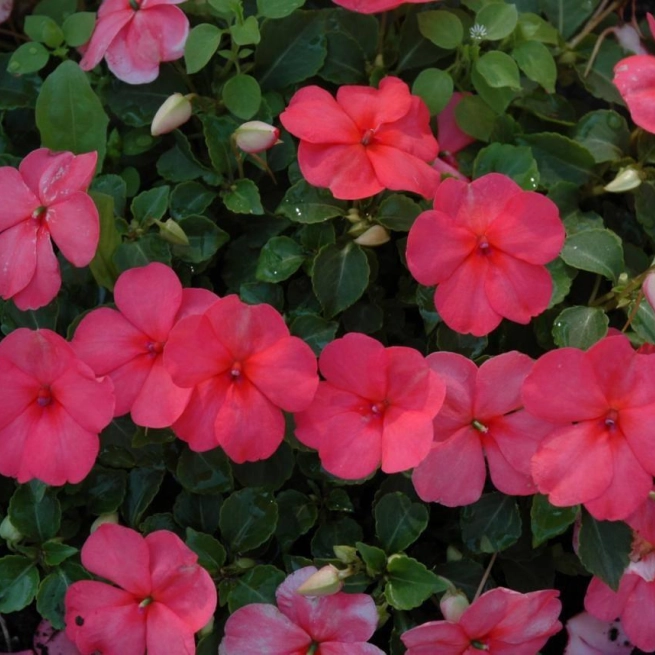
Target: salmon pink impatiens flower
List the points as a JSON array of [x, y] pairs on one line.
[[482, 416], [52, 409], [591, 636], [602, 454], [339, 624], [244, 368], [375, 407], [128, 344], [45, 198], [163, 596], [365, 141], [374, 6], [135, 36], [485, 245], [500, 622]]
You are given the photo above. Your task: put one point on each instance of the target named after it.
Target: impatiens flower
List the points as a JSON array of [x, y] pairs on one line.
[[256, 136], [127, 344], [485, 245], [339, 624], [634, 77], [591, 636], [52, 409], [366, 140], [6, 7], [602, 454], [175, 111], [482, 415], [633, 603], [500, 622], [244, 368], [642, 520], [135, 36], [161, 598], [375, 408], [45, 198], [374, 6]]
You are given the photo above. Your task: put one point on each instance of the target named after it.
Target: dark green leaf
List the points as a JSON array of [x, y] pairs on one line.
[[567, 17], [104, 489], [435, 87], [55, 552], [102, 266], [142, 487], [580, 327], [491, 524], [52, 591], [342, 532], [298, 514], [78, 28], [151, 204], [37, 515], [210, 551], [548, 521], [441, 27], [314, 330], [200, 46], [205, 238], [242, 96], [200, 512], [399, 522], [535, 60], [28, 58], [303, 203], [19, 581], [269, 474], [279, 8], [243, 198], [498, 20], [516, 162], [204, 473], [595, 250], [475, 117], [374, 558], [604, 133], [498, 70], [258, 585], [279, 259], [248, 519], [409, 583]]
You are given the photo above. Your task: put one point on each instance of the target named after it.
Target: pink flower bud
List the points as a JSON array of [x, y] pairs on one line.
[[648, 288], [256, 136], [175, 111], [453, 604], [324, 582]]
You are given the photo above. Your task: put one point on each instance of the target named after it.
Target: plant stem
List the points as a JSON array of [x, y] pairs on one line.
[[601, 14], [485, 577]]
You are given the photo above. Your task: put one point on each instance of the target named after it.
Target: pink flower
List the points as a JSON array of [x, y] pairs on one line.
[[501, 621], [375, 407], [633, 603], [339, 624], [374, 6], [366, 140], [634, 77], [451, 137], [127, 344], [485, 245], [163, 596], [591, 636], [244, 368], [6, 7], [135, 36], [52, 408], [602, 454], [482, 415], [642, 520], [46, 197]]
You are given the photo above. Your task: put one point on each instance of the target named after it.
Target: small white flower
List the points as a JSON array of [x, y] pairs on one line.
[[478, 32]]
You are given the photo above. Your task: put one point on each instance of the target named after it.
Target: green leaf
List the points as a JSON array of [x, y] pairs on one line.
[[44, 30], [58, 10], [52, 591], [559, 158], [304, 203], [435, 87], [604, 133], [269, 474], [644, 203], [201, 45], [242, 96], [498, 70], [498, 99], [210, 551], [374, 558], [535, 60], [198, 512], [314, 330], [562, 276], [243, 198], [78, 28], [339, 277], [279, 259], [345, 62], [151, 204], [498, 19], [248, 519], [208, 472], [399, 522], [548, 521], [69, 115], [441, 27], [475, 117], [104, 489], [409, 583], [55, 552], [298, 514], [102, 265], [343, 531], [398, 212], [179, 164], [143, 485], [491, 524], [532, 27], [19, 581], [595, 250], [16, 91], [205, 238], [567, 17], [190, 198], [28, 58], [580, 327], [604, 548], [247, 32], [37, 514], [279, 8], [258, 585], [516, 162], [291, 50]]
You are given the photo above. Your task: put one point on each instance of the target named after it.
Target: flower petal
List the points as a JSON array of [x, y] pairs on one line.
[[498, 384], [18, 201], [75, 228], [104, 34], [18, 258]]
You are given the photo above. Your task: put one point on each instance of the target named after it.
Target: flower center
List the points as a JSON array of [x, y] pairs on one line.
[[312, 649], [367, 137], [134, 4], [479, 645], [236, 371], [154, 348], [481, 427], [145, 602], [44, 397], [484, 247], [611, 420], [39, 213], [378, 409]]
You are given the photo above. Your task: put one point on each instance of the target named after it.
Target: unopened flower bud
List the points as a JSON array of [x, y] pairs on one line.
[[376, 235], [175, 111], [345, 554], [453, 604], [256, 136], [453, 554], [324, 582], [9, 532], [353, 216], [648, 287], [172, 232], [111, 517], [627, 179]]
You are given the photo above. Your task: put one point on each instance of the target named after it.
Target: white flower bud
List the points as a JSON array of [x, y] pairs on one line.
[[325, 582], [453, 604], [256, 136], [627, 179], [9, 532], [376, 235], [175, 111]]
